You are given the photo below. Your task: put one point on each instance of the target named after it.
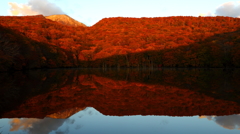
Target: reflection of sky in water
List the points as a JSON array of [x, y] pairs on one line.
[[90, 121]]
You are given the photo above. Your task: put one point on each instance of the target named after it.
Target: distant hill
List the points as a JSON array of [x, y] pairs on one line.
[[66, 20]]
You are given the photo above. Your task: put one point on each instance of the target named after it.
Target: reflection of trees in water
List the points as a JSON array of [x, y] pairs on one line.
[[16, 87], [9, 94], [61, 87], [218, 83]]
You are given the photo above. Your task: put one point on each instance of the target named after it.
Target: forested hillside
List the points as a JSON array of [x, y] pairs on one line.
[[36, 42]]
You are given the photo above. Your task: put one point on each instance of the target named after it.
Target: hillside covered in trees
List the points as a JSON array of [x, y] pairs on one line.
[[36, 42]]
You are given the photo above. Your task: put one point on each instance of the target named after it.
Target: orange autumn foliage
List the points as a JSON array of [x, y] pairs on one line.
[[180, 41]]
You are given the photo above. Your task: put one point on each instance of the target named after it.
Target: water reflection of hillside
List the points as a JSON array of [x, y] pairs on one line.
[[172, 92]]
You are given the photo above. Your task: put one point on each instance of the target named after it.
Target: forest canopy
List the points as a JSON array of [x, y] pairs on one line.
[[181, 41]]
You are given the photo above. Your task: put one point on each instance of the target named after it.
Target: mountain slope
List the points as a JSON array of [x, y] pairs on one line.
[[66, 20], [130, 42], [19, 52]]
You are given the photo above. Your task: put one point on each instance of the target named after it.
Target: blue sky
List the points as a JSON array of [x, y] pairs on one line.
[[91, 11]]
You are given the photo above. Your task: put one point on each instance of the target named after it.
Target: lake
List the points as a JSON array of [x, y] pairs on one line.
[[120, 101]]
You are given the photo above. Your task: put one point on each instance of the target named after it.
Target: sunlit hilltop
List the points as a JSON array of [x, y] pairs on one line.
[[65, 19]]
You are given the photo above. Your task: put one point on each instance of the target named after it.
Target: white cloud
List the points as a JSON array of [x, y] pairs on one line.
[[206, 14], [20, 9], [231, 9], [34, 7]]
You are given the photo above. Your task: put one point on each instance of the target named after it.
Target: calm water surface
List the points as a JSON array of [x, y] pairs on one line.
[[129, 101]]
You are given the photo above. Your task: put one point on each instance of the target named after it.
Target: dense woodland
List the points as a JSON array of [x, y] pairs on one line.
[[36, 42]]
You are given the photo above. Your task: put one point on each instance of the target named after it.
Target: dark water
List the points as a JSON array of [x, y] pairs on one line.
[[93, 101]]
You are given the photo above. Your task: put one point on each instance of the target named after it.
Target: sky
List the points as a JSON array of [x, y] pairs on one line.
[[90, 12]]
